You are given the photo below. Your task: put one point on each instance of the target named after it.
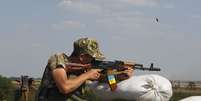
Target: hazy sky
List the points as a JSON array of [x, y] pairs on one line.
[[33, 30]]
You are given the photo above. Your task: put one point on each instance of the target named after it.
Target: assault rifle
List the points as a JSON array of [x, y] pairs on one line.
[[118, 65], [112, 71], [115, 70]]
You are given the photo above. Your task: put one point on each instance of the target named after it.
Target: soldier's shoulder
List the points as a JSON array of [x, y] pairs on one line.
[[58, 54]]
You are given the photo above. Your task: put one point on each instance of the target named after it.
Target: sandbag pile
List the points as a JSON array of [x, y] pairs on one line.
[[138, 88]]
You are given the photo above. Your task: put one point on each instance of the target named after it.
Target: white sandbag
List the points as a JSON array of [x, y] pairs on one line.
[[140, 88], [192, 98]]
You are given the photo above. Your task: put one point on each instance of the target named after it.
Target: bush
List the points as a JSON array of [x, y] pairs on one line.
[[6, 89]]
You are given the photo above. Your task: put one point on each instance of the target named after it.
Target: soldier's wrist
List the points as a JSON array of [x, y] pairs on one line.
[[85, 76]]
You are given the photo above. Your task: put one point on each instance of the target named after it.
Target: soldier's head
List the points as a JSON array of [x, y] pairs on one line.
[[87, 49]]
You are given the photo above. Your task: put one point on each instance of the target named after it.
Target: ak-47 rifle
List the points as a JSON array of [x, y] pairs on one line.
[[112, 71], [115, 70], [120, 64]]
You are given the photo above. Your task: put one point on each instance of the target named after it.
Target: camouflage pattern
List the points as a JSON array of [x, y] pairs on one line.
[[55, 61], [88, 46]]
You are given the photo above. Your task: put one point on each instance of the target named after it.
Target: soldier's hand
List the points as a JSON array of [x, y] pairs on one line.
[[93, 74], [129, 71]]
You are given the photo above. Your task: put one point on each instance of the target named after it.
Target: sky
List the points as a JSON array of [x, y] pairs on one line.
[[33, 30]]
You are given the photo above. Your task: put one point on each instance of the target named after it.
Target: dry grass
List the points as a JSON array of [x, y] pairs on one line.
[[180, 93]]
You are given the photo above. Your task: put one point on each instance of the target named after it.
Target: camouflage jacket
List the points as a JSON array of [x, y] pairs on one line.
[[48, 88]]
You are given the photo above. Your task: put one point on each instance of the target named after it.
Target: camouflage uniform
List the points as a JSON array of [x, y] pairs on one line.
[[48, 87]]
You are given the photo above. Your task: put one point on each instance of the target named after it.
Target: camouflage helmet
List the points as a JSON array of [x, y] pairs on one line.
[[88, 46]]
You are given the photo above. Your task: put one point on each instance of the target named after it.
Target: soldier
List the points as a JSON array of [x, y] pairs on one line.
[[59, 85]]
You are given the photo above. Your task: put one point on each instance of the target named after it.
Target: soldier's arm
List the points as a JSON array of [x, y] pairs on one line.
[[58, 67], [66, 85]]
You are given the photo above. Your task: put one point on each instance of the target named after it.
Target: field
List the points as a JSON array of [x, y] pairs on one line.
[[179, 91], [183, 89]]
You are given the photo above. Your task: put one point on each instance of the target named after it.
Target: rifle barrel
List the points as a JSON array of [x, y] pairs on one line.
[[149, 69], [141, 67]]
